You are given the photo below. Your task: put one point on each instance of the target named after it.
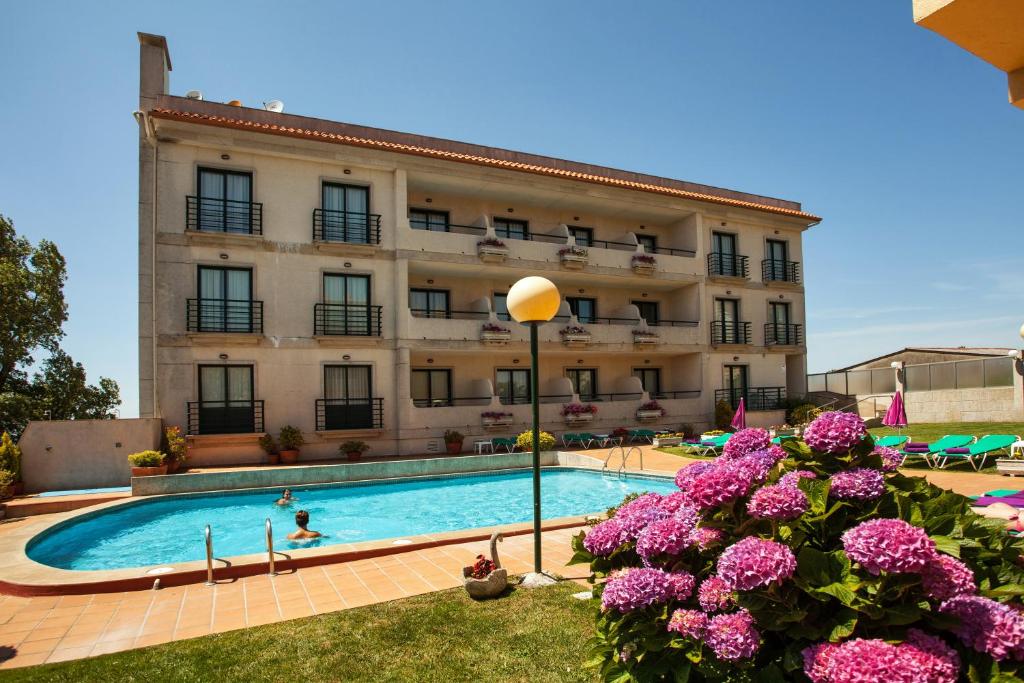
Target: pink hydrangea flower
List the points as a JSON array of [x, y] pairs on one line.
[[705, 537], [639, 504], [946, 577], [921, 659], [782, 503], [891, 458], [635, 588], [792, 478], [723, 483], [673, 501], [889, 545], [988, 626], [732, 636], [746, 441], [686, 475], [759, 464], [669, 536], [636, 519], [859, 483], [755, 562], [714, 595], [689, 623], [604, 538], [680, 585], [835, 432]]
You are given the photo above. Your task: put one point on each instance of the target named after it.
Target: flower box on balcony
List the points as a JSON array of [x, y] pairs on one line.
[[573, 258], [578, 418], [575, 336], [649, 412], [643, 264], [575, 413], [496, 419], [492, 250], [644, 337], [495, 335]]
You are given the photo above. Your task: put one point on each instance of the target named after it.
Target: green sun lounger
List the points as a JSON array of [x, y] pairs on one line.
[[986, 445], [947, 441], [892, 441], [641, 435], [503, 442], [710, 446]]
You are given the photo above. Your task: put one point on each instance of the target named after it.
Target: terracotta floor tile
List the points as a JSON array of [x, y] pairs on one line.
[[14, 638], [36, 646], [154, 639], [107, 598], [263, 618], [326, 606], [29, 616], [43, 602], [74, 600], [103, 648], [195, 632], [120, 633], [70, 641], [46, 633], [64, 654], [25, 660]]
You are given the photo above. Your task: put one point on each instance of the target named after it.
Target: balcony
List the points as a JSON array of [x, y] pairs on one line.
[[346, 320], [346, 227], [728, 265], [451, 402], [225, 417], [226, 316], [229, 216], [730, 332], [349, 413], [783, 334], [763, 398], [776, 270], [674, 395]]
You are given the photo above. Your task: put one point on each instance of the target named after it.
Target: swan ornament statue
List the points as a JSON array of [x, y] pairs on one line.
[[492, 585]]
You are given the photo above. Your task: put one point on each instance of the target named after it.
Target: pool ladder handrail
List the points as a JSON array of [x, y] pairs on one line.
[[625, 456], [270, 548], [208, 536]]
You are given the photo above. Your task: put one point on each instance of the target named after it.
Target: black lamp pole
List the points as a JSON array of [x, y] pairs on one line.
[[535, 401]]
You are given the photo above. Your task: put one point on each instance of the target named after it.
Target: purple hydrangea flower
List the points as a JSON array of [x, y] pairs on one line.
[[755, 562], [705, 537], [732, 636], [947, 577], [859, 483], [835, 432], [636, 519], [759, 464], [669, 536], [680, 585], [714, 595], [746, 441], [639, 504], [988, 626], [723, 483], [781, 503], [635, 588], [673, 501], [923, 658], [686, 475], [603, 539], [889, 545], [792, 478], [891, 458], [689, 623]]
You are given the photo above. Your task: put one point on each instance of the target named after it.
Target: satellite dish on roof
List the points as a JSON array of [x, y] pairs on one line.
[[194, 94], [276, 106]]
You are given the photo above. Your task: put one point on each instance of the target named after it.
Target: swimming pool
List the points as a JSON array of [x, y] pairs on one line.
[[170, 529]]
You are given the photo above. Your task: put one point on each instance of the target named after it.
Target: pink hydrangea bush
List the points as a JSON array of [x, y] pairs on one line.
[[814, 561]]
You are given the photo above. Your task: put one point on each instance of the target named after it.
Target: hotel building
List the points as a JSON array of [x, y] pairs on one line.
[[350, 281]]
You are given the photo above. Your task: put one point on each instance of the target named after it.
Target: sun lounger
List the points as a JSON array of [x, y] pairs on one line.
[[892, 441], [503, 442], [641, 435], [926, 451], [710, 446], [986, 445]]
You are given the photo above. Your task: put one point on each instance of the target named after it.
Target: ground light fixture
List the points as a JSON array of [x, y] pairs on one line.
[[531, 301]]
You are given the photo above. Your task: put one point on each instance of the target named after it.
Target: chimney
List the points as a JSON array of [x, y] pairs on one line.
[[154, 68]]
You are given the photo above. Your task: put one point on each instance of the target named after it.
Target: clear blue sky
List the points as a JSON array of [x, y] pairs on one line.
[[901, 140]]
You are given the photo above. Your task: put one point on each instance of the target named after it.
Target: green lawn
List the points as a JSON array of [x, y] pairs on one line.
[[528, 635]]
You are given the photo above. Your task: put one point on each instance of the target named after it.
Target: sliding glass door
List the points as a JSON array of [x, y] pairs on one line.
[[348, 397]]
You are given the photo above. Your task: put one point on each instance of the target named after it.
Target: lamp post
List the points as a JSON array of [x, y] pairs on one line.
[[531, 301]]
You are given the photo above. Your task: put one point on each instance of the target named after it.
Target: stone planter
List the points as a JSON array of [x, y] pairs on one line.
[[149, 471], [662, 442], [453, 448], [289, 457], [495, 338], [643, 268], [649, 415], [579, 418], [494, 422], [574, 261], [645, 338], [1011, 466], [492, 254], [576, 341]]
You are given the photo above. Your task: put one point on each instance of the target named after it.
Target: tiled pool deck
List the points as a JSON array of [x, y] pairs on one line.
[[48, 629]]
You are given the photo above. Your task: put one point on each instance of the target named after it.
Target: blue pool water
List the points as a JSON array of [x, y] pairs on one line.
[[170, 530], [79, 492]]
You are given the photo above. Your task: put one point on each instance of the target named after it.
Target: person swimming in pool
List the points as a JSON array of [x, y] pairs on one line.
[[286, 498], [302, 532]]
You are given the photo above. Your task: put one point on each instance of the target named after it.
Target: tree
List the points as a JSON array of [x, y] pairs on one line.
[[61, 393]]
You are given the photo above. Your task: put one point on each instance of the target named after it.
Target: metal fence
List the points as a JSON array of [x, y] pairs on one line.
[[853, 382], [959, 374]]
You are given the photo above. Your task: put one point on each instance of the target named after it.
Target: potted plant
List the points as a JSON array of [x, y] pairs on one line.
[[6, 488], [269, 447], [644, 337], [453, 441], [290, 439], [524, 441], [354, 450], [493, 334], [574, 336], [578, 412], [643, 264], [649, 411], [147, 463], [491, 250], [486, 578], [10, 460], [496, 418], [573, 258], [176, 448]]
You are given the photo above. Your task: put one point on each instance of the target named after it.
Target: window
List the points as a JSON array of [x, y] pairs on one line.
[[583, 308], [424, 219], [431, 388], [225, 300], [734, 381], [584, 236], [513, 385], [501, 306], [224, 201], [346, 213], [727, 321], [348, 397], [776, 253], [779, 330], [724, 247], [648, 311], [346, 306], [511, 229], [650, 379], [226, 403], [648, 242], [584, 382], [429, 303]]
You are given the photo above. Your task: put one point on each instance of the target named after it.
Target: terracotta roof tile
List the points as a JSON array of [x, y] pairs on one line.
[[379, 142]]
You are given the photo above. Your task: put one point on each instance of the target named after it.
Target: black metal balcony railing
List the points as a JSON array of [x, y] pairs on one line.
[[349, 413], [777, 270], [449, 314], [225, 417], [728, 265], [355, 320], [352, 227], [451, 401], [787, 334], [671, 251], [520, 399], [236, 316], [730, 332], [763, 398], [665, 395], [611, 397], [661, 322], [205, 214]]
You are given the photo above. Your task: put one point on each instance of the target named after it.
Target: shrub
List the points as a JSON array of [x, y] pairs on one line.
[[525, 441], [758, 570], [354, 447], [268, 444], [146, 459], [175, 444], [6, 479], [723, 415], [10, 456], [290, 438], [805, 414], [452, 436]]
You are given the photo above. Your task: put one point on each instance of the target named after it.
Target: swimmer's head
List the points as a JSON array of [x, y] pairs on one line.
[[302, 518]]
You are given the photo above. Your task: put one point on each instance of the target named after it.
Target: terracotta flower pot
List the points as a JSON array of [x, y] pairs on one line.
[[354, 455], [149, 471], [289, 457], [173, 466], [17, 488], [454, 448], [273, 458]]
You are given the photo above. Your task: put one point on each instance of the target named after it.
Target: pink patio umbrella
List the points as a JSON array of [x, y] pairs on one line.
[[739, 420], [896, 416]]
